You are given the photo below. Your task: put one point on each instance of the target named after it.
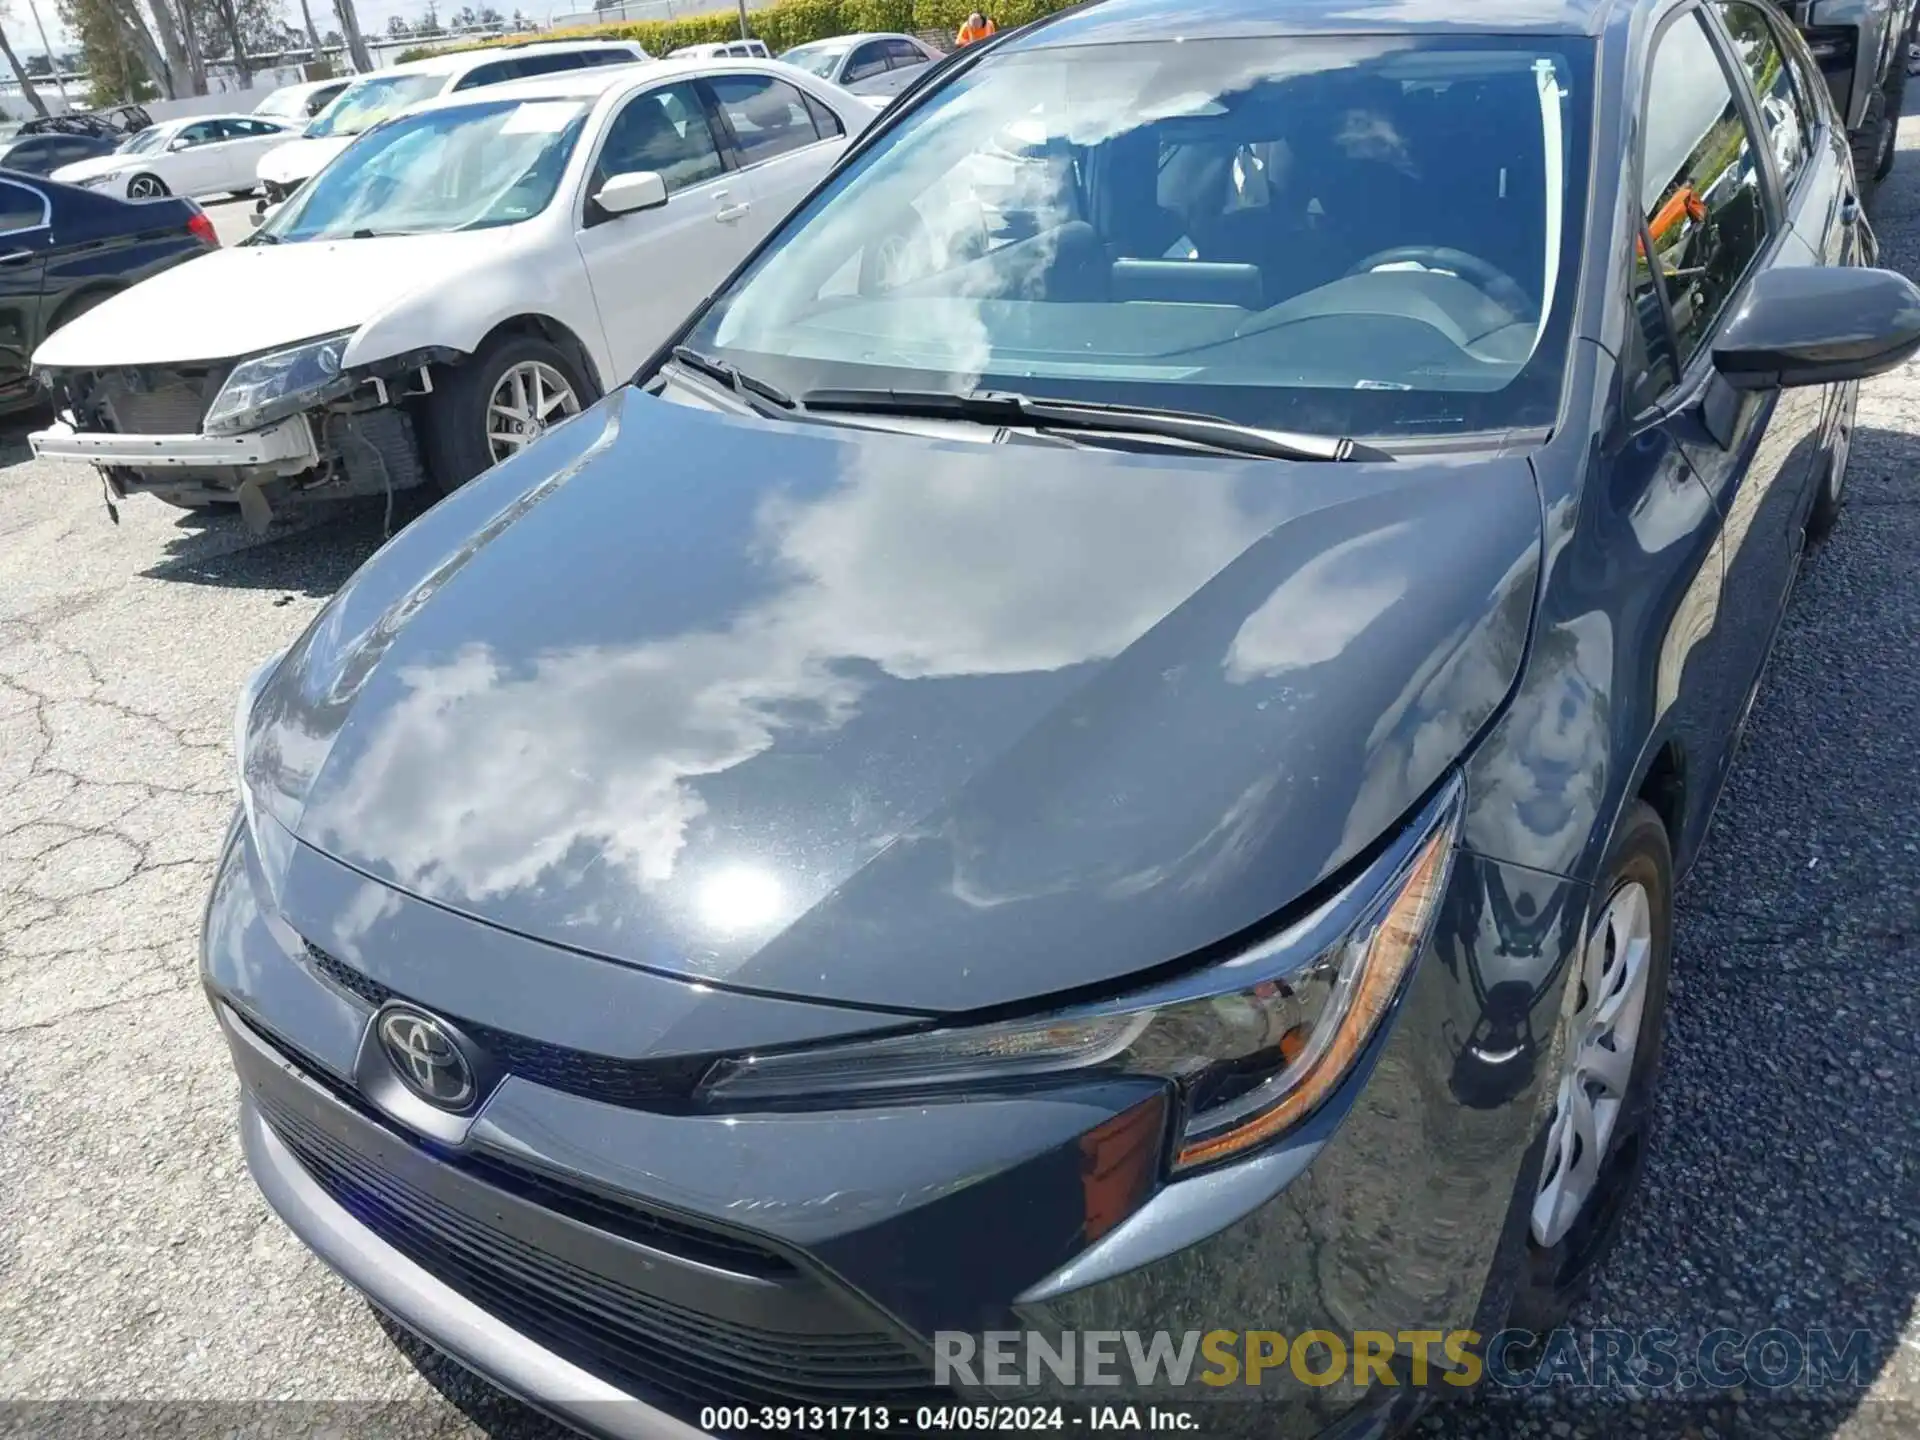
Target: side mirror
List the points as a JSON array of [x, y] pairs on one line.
[[635, 190], [259, 216], [179, 142], [1818, 325]]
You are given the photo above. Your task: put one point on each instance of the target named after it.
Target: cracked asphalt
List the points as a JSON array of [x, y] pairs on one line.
[[144, 1287]]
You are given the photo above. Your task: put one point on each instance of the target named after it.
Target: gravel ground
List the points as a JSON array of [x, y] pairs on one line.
[[138, 1265]]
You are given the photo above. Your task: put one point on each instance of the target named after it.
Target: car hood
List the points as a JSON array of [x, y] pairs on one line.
[[910, 722], [250, 298], [99, 165], [297, 160]]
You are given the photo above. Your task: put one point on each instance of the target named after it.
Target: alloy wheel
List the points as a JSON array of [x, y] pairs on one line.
[[1842, 449], [1600, 1053], [527, 401], [145, 187]]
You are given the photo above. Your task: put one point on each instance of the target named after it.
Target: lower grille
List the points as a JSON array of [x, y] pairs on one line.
[[644, 1345], [152, 400]]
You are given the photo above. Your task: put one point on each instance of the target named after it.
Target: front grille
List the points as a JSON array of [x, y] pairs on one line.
[[148, 400], [632, 1339], [642, 1084]]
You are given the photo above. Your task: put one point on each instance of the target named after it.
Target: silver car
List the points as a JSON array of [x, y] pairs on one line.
[[865, 64]]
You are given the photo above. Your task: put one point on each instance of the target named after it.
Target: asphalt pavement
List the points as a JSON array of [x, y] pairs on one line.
[[145, 1288]]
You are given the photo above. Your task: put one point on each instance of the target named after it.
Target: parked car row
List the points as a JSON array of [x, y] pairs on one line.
[[1139, 642], [373, 98], [456, 281]]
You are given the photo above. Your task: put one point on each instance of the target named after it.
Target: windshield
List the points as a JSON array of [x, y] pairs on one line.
[[143, 141], [370, 101], [1341, 235], [468, 167], [816, 59]]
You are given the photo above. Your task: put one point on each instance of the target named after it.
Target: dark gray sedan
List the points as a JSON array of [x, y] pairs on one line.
[[865, 64], [1103, 743]]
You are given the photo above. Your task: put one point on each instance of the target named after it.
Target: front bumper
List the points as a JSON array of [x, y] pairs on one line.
[[434, 1310], [283, 449], [876, 1230]]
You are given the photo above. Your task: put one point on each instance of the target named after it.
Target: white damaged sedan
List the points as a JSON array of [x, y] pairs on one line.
[[460, 279]]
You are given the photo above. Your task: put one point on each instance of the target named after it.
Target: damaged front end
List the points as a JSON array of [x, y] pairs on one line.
[[264, 432]]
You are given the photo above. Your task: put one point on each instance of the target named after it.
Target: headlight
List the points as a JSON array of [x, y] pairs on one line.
[[262, 804], [1249, 1061], [271, 387]]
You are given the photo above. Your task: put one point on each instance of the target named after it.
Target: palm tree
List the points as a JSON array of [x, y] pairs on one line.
[[20, 74]]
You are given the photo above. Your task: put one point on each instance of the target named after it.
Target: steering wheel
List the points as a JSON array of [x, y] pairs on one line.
[[1490, 279]]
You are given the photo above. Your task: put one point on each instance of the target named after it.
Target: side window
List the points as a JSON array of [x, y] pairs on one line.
[[20, 208], [205, 133], [488, 75], [1783, 110], [869, 60], [825, 123], [902, 53], [552, 64], [664, 130], [1700, 184], [768, 116]]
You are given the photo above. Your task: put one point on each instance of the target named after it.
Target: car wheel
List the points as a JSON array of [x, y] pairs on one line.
[[77, 307], [146, 187], [1603, 1108], [1890, 141], [516, 389], [1833, 486]]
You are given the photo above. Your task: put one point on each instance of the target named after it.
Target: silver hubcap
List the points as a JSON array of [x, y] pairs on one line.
[[142, 188], [531, 398], [1842, 446], [1600, 1050]]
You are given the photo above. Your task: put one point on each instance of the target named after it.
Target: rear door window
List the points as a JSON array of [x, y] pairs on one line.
[[768, 116]]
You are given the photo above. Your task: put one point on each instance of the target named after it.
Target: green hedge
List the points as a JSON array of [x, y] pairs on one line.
[[782, 25]]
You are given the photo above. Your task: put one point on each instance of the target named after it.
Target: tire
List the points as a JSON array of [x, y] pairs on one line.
[[146, 187], [1560, 1270], [1833, 483], [458, 440], [1896, 93], [77, 307]]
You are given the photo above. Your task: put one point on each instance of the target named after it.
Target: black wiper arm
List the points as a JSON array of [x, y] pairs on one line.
[[1010, 408], [732, 376]]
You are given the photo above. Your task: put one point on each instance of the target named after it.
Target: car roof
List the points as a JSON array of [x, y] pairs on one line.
[[307, 87], [1113, 21], [593, 83], [453, 61], [181, 121]]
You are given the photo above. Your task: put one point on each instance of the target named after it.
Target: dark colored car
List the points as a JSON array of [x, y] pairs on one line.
[[1106, 744], [63, 250], [115, 124], [1861, 47], [45, 153]]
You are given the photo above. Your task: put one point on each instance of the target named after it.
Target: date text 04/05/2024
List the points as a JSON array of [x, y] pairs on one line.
[[923, 1419]]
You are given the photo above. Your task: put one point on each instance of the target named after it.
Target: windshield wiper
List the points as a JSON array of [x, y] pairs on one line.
[[732, 376], [1002, 407]]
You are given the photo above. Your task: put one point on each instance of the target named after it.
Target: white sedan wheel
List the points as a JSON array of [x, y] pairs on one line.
[[529, 399]]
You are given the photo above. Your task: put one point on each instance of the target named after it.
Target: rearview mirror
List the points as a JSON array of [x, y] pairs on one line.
[[1818, 325], [634, 190]]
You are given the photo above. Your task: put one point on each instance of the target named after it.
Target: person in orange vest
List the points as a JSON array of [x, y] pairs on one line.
[[978, 27]]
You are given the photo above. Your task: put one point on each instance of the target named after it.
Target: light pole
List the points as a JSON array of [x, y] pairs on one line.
[[744, 35]]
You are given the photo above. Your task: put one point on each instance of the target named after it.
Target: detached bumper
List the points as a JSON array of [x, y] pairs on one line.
[[285, 448]]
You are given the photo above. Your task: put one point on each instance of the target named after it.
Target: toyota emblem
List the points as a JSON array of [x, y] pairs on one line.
[[426, 1059]]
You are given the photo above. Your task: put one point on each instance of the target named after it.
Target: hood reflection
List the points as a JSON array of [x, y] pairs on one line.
[[570, 759]]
